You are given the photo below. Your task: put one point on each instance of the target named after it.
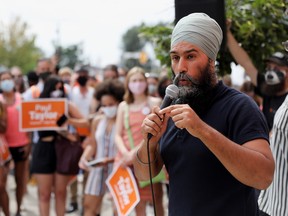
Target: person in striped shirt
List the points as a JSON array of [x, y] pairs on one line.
[[274, 200]]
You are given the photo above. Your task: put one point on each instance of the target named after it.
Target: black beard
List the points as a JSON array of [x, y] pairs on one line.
[[200, 92], [272, 90]]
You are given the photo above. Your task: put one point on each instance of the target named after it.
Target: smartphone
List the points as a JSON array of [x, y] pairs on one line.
[[61, 120]]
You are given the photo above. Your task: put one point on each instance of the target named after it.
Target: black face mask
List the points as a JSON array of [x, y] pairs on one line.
[[66, 81], [44, 75], [82, 80]]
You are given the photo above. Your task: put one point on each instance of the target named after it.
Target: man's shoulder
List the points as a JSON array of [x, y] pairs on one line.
[[225, 93], [31, 93]]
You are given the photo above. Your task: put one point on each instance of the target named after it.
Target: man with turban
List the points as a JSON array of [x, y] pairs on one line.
[[213, 140]]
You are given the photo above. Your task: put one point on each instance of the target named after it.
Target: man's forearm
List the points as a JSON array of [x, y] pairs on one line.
[[141, 162]]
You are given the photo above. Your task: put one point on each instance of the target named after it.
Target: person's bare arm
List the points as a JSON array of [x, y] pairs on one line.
[[75, 118], [127, 154], [141, 162], [154, 125], [91, 149], [73, 111], [119, 128], [251, 163], [241, 57], [76, 122]]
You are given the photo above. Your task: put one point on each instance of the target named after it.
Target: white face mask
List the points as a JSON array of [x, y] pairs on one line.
[[56, 94], [7, 85], [110, 111], [122, 79]]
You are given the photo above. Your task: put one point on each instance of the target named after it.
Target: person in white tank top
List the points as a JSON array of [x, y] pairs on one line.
[[102, 146]]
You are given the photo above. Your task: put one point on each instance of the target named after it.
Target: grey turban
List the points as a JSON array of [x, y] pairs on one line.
[[200, 30]]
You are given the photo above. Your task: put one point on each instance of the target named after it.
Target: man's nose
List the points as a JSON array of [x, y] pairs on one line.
[[182, 65]]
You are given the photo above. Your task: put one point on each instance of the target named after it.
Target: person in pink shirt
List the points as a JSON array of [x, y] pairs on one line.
[[18, 142], [128, 137]]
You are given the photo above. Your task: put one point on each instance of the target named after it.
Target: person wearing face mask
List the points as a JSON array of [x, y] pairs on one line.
[[44, 70], [131, 112], [272, 85], [18, 142], [20, 85], [65, 74], [82, 96], [122, 73], [102, 145], [153, 82], [44, 156], [110, 72]]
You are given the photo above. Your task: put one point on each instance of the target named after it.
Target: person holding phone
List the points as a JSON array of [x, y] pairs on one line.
[[44, 160]]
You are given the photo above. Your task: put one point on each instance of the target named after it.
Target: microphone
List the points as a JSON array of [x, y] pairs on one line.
[[171, 93]]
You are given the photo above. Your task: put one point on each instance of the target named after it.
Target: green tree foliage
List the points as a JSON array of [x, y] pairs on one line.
[[131, 41], [17, 47], [70, 56], [259, 25], [160, 37], [133, 44]]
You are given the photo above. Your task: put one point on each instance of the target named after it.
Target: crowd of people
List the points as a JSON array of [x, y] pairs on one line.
[[91, 119], [222, 153]]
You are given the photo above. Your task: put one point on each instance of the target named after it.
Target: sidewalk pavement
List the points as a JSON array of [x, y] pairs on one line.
[[30, 201]]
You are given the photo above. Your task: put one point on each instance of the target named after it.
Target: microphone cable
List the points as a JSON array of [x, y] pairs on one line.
[[150, 177]]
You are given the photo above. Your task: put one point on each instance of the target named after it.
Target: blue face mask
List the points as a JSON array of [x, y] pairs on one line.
[[7, 85]]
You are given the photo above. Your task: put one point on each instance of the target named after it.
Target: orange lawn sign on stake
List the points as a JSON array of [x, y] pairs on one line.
[[42, 114], [124, 190], [5, 155]]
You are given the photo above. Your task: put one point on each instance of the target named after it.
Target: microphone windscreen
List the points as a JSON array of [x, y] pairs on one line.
[[172, 91]]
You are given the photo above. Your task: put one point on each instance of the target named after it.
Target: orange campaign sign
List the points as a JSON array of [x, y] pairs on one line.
[[124, 190], [42, 114], [5, 155]]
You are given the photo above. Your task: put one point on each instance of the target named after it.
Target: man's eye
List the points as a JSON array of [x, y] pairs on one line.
[[174, 57]]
